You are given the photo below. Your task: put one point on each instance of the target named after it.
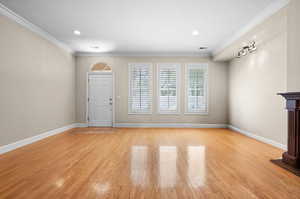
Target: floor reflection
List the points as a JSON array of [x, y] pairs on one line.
[[167, 166], [101, 189], [60, 182], [139, 158], [196, 165]]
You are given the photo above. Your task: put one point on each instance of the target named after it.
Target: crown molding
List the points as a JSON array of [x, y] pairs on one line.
[[262, 16], [267, 12], [150, 54], [27, 24]]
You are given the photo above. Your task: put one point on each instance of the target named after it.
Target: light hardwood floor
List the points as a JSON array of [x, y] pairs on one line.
[[146, 164]]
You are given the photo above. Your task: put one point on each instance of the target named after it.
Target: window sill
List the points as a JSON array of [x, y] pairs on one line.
[[140, 113], [203, 113], [169, 113]]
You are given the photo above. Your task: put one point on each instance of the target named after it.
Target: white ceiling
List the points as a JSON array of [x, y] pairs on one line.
[[140, 26]]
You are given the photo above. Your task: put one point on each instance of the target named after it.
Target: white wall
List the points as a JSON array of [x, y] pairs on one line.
[[255, 80], [293, 70], [217, 90], [37, 84]]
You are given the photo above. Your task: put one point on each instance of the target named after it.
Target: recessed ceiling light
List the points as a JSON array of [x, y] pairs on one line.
[[76, 32], [195, 32]]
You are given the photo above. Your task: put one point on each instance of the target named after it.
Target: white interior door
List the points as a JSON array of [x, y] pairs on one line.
[[100, 100]]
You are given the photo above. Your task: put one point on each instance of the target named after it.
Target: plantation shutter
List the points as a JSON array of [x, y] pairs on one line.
[[197, 81], [168, 75], [140, 88]]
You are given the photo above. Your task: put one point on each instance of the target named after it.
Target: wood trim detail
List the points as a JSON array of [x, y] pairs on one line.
[[291, 158]]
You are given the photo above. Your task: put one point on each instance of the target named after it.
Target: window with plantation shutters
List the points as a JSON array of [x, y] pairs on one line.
[[168, 92], [196, 88], [140, 88]]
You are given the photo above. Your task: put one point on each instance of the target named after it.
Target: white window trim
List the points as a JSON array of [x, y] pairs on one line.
[[187, 87], [178, 93], [129, 83]]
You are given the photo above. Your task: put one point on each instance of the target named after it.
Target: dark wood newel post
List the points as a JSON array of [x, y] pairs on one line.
[[291, 159]]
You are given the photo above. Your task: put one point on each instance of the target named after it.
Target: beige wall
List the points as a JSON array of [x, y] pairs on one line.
[[255, 79], [36, 83], [217, 90], [293, 70]]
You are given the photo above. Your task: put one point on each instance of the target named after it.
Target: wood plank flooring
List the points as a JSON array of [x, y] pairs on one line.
[[145, 164]]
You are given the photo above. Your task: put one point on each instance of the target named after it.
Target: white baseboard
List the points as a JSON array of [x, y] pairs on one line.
[[159, 125], [81, 125], [99, 124], [169, 125], [18, 144], [259, 138]]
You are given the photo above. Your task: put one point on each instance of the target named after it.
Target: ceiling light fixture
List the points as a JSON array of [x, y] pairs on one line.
[[76, 32], [252, 47], [247, 49], [195, 33]]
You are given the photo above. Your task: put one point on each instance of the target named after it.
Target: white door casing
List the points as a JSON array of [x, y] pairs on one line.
[[100, 100]]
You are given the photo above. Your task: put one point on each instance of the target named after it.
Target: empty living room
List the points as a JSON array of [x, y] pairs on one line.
[[150, 99]]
